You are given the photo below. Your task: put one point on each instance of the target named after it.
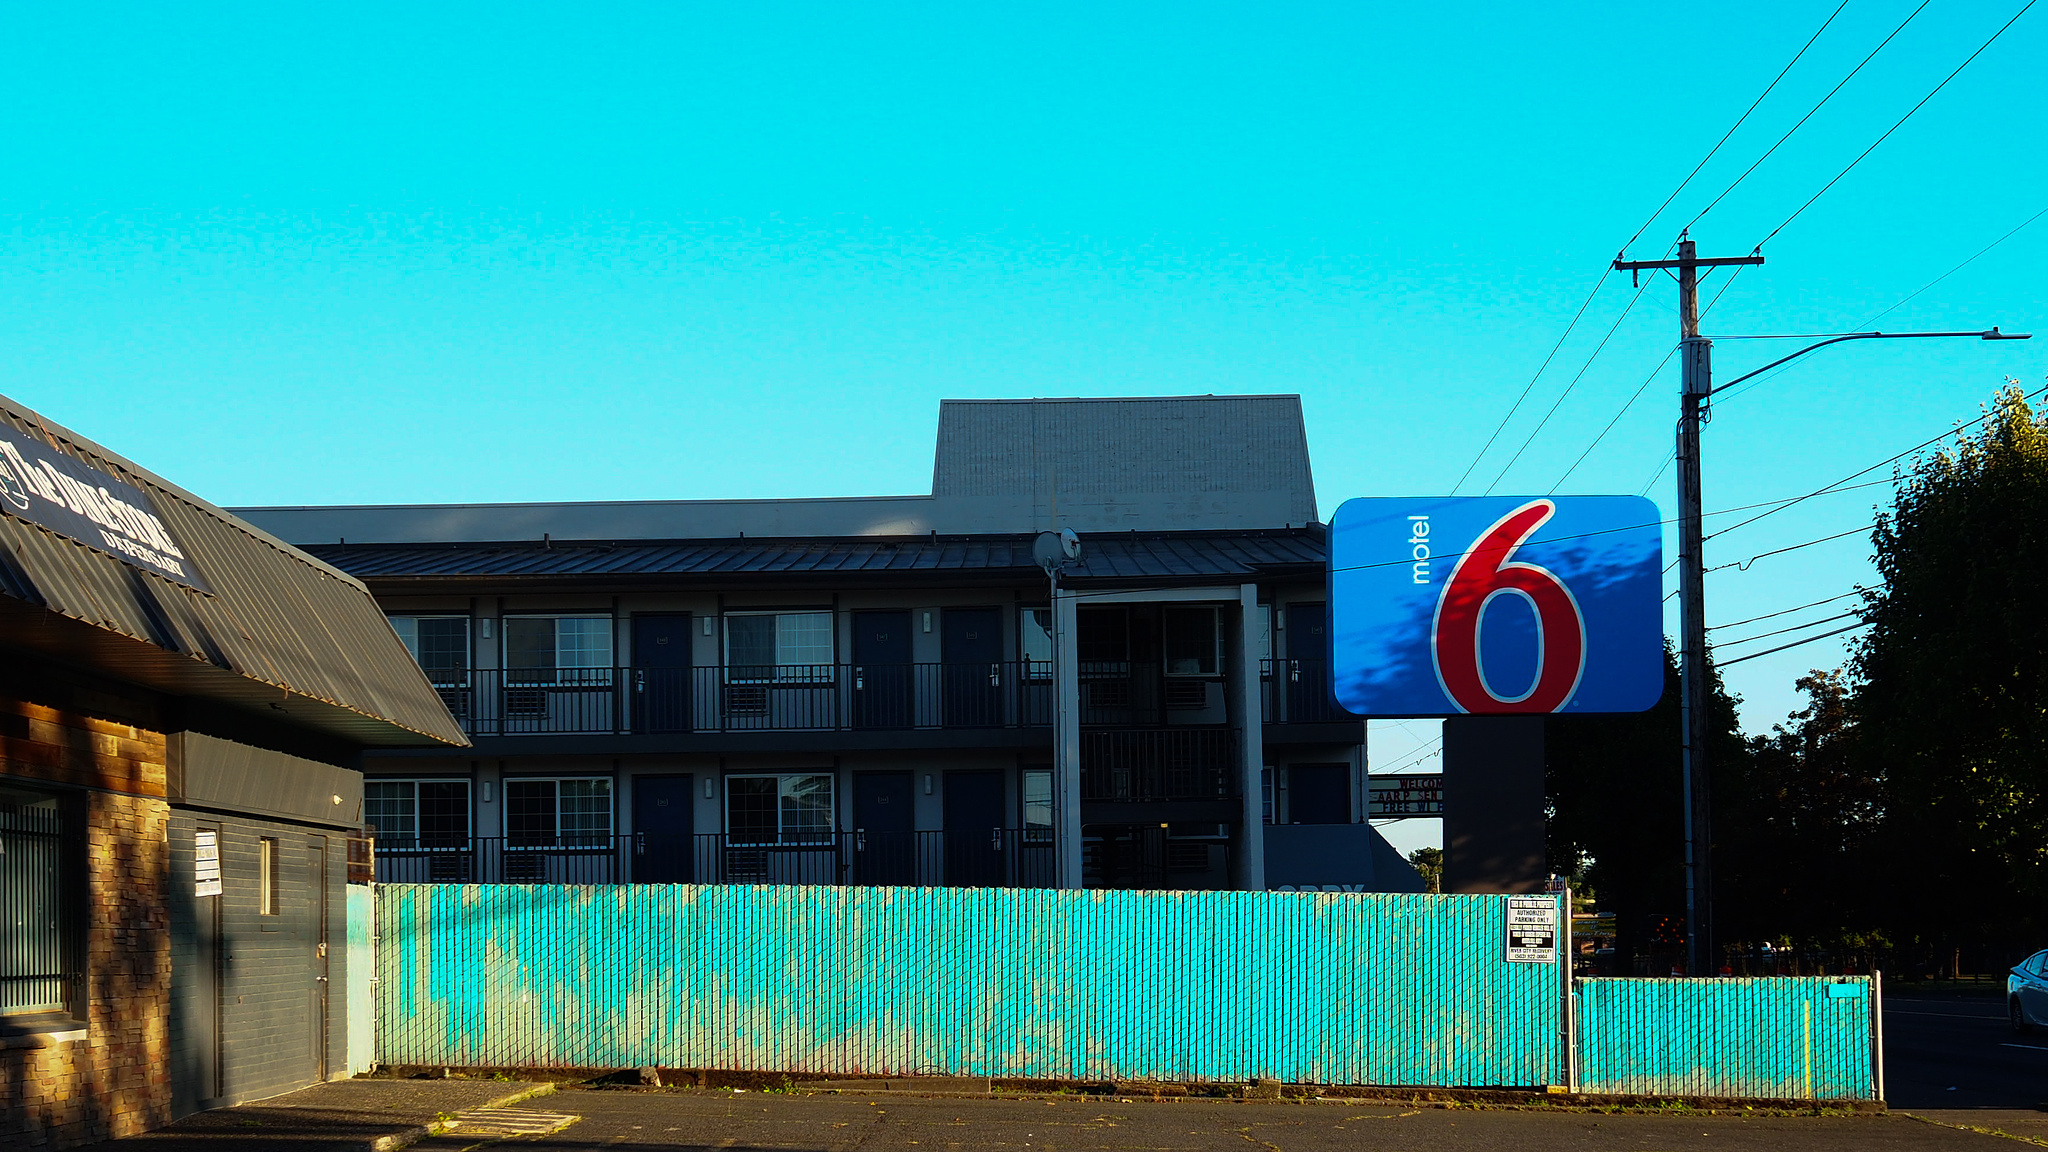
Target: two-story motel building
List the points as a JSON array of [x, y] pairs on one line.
[[869, 690]]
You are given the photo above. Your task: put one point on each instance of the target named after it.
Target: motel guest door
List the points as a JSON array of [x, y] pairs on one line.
[[974, 829], [661, 672], [662, 823], [972, 646], [1309, 696], [881, 670], [885, 840]]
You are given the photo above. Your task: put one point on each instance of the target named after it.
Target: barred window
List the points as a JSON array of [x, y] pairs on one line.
[[38, 952]]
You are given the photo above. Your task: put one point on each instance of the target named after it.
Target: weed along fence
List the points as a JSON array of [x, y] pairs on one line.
[[1041, 984]]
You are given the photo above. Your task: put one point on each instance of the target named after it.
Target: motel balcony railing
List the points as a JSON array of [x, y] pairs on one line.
[[983, 858], [851, 697]]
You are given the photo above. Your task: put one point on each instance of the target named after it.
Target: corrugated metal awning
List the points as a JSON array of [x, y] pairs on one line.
[[280, 631]]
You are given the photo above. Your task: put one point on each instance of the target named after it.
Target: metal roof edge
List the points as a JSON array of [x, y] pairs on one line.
[[52, 428]]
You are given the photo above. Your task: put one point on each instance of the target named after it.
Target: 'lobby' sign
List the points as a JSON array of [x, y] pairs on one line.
[[1485, 605], [44, 486]]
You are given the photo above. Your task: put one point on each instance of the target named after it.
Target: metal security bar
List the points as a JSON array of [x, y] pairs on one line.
[[741, 698], [969, 858], [38, 965], [1160, 764]]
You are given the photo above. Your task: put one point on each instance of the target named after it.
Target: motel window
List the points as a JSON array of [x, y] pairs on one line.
[[779, 646], [1034, 641], [781, 809], [1193, 641], [418, 813], [439, 644], [557, 649], [1103, 637], [39, 879], [1266, 794], [568, 812], [1037, 803]]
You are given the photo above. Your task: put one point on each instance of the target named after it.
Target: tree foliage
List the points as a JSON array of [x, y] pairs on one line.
[[1952, 699]]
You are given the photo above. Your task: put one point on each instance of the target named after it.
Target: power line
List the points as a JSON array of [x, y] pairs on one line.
[[1794, 628], [1954, 270], [1630, 403], [1739, 120], [1517, 405], [1902, 120], [1809, 115], [1853, 475], [1555, 404], [1601, 282], [1794, 644], [1874, 318], [1743, 565], [1785, 611]]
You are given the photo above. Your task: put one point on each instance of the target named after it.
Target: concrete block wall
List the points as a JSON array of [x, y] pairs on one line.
[[110, 1078]]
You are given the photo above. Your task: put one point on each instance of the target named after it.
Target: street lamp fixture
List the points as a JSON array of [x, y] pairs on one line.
[[1991, 333]]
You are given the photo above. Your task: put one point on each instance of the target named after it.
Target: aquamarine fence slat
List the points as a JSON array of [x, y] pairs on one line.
[[1336, 988], [1785, 1038]]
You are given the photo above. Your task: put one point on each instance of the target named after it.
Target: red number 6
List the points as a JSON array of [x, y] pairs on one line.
[[1488, 571]]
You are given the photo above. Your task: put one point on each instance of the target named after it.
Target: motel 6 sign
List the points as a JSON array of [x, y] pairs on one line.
[[1453, 605]]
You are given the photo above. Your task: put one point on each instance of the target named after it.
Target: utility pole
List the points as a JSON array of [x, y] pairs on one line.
[[1696, 366]]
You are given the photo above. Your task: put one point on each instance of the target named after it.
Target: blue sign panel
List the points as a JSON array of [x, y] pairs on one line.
[[1442, 606]]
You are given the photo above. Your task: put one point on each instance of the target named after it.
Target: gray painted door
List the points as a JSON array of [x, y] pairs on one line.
[[974, 829], [661, 672], [885, 843], [663, 819], [882, 674], [971, 644]]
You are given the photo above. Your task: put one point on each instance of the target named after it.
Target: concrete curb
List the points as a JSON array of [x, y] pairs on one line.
[[407, 1137]]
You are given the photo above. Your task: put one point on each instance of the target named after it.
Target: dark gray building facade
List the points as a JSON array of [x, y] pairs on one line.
[[883, 690]]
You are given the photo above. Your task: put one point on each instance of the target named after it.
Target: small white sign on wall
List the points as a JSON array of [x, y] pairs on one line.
[[1532, 930], [206, 864]]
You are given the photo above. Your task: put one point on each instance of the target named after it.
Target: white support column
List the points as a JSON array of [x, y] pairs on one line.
[[1066, 746], [1251, 870]]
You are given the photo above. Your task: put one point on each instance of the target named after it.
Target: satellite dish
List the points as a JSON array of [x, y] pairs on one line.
[[1055, 550]]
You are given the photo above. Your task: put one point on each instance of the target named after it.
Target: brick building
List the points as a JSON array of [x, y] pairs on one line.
[[183, 702]]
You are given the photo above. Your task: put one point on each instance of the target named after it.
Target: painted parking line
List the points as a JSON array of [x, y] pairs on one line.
[[2029, 1047]]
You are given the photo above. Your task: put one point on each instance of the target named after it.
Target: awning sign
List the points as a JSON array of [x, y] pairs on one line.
[[44, 486], [206, 864], [1532, 930]]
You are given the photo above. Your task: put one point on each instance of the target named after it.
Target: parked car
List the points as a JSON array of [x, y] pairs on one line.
[[2026, 993]]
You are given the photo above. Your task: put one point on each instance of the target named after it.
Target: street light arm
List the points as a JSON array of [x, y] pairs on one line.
[[1987, 334]]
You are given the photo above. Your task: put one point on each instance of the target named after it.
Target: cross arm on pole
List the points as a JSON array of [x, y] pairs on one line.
[[1706, 262]]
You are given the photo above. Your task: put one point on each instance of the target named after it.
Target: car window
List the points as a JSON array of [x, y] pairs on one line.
[[2037, 964]]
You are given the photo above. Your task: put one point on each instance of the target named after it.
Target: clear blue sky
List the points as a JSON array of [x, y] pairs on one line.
[[494, 252]]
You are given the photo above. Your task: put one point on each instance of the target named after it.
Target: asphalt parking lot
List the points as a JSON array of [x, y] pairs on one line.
[[746, 1121]]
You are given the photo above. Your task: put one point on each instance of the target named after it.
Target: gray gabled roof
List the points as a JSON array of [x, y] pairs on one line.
[[1117, 555], [280, 632]]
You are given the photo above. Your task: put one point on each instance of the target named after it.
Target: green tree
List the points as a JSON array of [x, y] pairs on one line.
[[1953, 684], [1430, 863], [1616, 810], [1799, 817]]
